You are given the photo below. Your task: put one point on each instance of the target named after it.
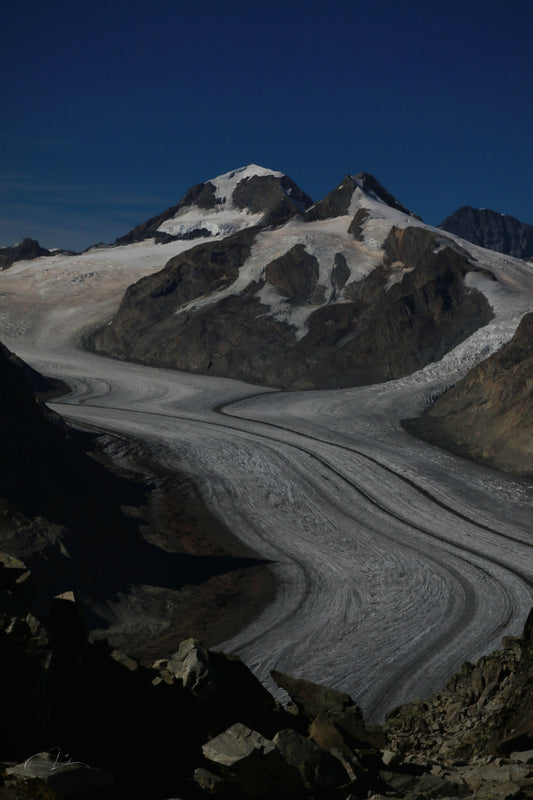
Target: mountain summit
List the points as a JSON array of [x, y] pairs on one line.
[[239, 199], [351, 190]]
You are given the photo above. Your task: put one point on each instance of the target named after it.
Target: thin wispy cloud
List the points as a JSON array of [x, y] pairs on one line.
[[13, 189], [38, 141]]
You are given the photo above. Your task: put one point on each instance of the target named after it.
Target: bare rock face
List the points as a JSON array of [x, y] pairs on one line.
[[188, 316], [278, 198], [270, 196], [484, 710], [296, 300], [201, 195], [311, 698], [27, 249], [337, 203], [492, 230], [295, 274], [488, 415]]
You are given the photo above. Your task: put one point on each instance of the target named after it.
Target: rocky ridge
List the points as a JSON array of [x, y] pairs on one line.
[[355, 291], [492, 230], [26, 249]]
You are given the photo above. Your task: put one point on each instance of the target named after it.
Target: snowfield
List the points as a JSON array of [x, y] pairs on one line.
[[396, 561]]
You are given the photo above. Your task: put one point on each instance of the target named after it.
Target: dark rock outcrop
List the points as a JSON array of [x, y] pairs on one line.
[[488, 415], [201, 195], [121, 541], [492, 230], [43, 387], [484, 710], [25, 250], [103, 707], [294, 274], [373, 187], [199, 724], [375, 334], [337, 202], [276, 198]]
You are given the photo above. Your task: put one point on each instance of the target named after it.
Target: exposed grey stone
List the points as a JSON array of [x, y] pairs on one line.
[[236, 744], [429, 786], [398, 781], [125, 660], [27, 249], [488, 415], [253, 762], [294, 274], [190, 666], [353, 767], [312, 698], [389, 757], [340, 272]]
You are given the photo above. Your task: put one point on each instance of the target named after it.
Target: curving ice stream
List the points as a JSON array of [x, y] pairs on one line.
[[395, 560]]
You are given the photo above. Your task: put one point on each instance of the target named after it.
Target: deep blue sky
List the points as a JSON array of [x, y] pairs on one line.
[[111, 110]]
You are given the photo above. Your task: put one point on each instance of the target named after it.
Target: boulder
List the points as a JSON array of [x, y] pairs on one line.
[[311, 699], [253, 762], [318, 769], [224, 689], [190, 666]]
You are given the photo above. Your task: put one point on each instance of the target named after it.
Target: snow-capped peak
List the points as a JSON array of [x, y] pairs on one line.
[[236, 200], [225, 184]]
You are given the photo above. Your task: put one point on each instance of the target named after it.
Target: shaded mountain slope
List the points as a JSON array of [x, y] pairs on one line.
[[488, 415], [492, 230], [128, 544]]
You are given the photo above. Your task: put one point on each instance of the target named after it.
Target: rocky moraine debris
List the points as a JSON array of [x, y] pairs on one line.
[[199, 724]]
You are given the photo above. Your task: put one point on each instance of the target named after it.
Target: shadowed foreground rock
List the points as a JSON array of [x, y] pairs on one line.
[[199, 724]]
